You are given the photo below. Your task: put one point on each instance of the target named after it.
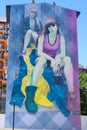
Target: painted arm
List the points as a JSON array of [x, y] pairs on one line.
[[62, 46]]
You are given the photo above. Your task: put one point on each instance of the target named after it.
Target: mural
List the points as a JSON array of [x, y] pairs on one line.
[[43, 79]]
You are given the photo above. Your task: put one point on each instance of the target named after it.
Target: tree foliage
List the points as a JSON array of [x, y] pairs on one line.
[[83, 80], [83, 92]]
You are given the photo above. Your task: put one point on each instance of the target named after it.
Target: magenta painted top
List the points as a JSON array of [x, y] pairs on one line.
[[51, 49]]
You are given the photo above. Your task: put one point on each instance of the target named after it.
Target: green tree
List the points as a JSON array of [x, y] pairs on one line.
[[83, 92], [83, 80]]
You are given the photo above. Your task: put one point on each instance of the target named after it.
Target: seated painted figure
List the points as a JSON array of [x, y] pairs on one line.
[[32, 28], [49, 41]]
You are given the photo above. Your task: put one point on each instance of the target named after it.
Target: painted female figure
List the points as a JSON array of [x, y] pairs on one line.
[[32, 27], [49, 42]]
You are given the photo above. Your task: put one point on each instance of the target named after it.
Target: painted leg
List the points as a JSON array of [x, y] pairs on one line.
[[27, 39], [38, 70], [34, 35], [68, 71]]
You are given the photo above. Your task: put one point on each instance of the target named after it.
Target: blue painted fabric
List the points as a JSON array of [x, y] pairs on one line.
[[17, 96], [33, 56], [57, 93]]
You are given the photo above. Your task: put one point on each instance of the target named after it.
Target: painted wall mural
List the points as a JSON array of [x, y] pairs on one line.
[[43, 79]]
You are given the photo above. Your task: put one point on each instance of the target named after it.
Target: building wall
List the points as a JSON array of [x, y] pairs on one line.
[[3, 62]]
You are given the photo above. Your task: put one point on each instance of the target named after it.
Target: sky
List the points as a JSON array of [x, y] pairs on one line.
[[77, 5]]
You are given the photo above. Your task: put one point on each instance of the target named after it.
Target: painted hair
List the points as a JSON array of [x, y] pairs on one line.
[[49, 21]]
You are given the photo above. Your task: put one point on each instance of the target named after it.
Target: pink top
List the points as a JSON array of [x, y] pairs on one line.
[[51, 49]]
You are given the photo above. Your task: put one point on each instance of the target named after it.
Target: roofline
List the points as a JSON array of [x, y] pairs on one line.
[[8, 13]]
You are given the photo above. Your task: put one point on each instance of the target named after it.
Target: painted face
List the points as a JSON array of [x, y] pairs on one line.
[[32, 13], [52, 27]]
